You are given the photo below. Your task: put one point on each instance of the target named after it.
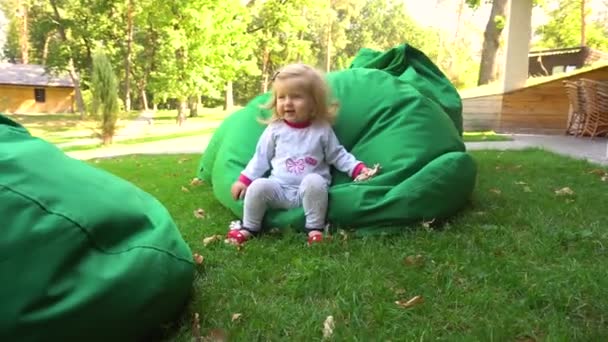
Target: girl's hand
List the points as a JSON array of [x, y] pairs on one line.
[[238, 190], [367, 173]]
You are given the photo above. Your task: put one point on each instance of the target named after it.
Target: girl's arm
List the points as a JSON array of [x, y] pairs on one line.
[[336, 155], [260, 162]]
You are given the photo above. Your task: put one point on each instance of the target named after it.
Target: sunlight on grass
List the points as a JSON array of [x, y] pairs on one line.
[[521, 261], [484, 136]]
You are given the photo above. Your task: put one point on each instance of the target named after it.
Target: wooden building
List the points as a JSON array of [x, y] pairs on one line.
[[541, 108], [30, 89], [554, 61]]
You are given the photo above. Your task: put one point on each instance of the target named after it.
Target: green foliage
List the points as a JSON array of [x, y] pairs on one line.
[[192, 48], [564, 28], [104, 89]]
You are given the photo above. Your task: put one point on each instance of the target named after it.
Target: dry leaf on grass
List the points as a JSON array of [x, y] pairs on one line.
[[212, 239], [598, 172], [184, 189], [198, 259], [412, 260], [236, 316], [564, 192], [195, 181], [199, 213], [196, 327], [496, 191], [216, 335], [400, 291], [411, 302], [328, 327], [427, 224]]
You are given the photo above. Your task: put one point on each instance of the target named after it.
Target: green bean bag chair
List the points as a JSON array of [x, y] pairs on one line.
[[396, 109], [84, 255]]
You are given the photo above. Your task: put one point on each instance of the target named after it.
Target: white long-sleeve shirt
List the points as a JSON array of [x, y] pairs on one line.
[[293, 151]]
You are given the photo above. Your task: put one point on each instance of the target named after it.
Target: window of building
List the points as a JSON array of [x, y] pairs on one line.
[[40, 95]]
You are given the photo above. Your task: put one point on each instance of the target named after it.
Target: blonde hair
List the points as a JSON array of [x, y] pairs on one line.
[[324, 107]]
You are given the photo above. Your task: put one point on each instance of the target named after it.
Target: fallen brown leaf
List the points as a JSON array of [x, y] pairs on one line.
[[198, 259], [427, 224], [328, 327], [598, 172], [411, 302], [184, 189], [526, 338], [216, 335], [236, 316], [199, 213], [195, 181], [412, 260], [564, 191], [196, 327], [211, 239], [496, 191]]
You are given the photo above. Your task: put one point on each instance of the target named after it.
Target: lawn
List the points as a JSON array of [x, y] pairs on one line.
[[484, 136], [72, 134], [525, 261]]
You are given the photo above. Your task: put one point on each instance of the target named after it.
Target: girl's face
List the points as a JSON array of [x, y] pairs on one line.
[[294, 103]]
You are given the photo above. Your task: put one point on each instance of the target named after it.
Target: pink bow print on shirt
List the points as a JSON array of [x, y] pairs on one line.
[[295, 166]]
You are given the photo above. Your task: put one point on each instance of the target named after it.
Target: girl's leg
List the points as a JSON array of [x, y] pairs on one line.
[[262, 193], [313, 193]]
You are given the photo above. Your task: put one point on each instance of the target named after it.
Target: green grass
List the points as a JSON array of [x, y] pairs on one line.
[[484, 136], [141, 140], [519, 262]]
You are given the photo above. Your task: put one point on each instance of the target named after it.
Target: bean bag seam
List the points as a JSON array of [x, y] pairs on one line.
[[86, 233]]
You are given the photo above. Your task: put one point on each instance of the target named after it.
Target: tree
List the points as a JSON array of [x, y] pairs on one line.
[[566, 26], [488, 69], [104, 88]]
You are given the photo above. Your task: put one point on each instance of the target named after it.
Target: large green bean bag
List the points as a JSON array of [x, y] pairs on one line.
[[84, 255], [396, 109]]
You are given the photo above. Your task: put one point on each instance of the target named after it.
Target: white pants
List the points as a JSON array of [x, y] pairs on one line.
[[264, 193]]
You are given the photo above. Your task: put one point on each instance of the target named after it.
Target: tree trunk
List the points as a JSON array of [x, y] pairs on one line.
[[144, 98], [128, 55], [193, 104], [71, 68], [181, 112], [491, 43], [23, 31], [583, 23], [265, 60], [329, 25], [45, 50], [229, 103]]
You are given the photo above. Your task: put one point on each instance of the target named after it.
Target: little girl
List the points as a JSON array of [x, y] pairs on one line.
[[298, 145]]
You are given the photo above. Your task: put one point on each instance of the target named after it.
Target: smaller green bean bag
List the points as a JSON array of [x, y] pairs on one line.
[[84, 255], [396, 109]]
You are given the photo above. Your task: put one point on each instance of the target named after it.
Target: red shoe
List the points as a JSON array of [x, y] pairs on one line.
[[317, 238], [236, 236]]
